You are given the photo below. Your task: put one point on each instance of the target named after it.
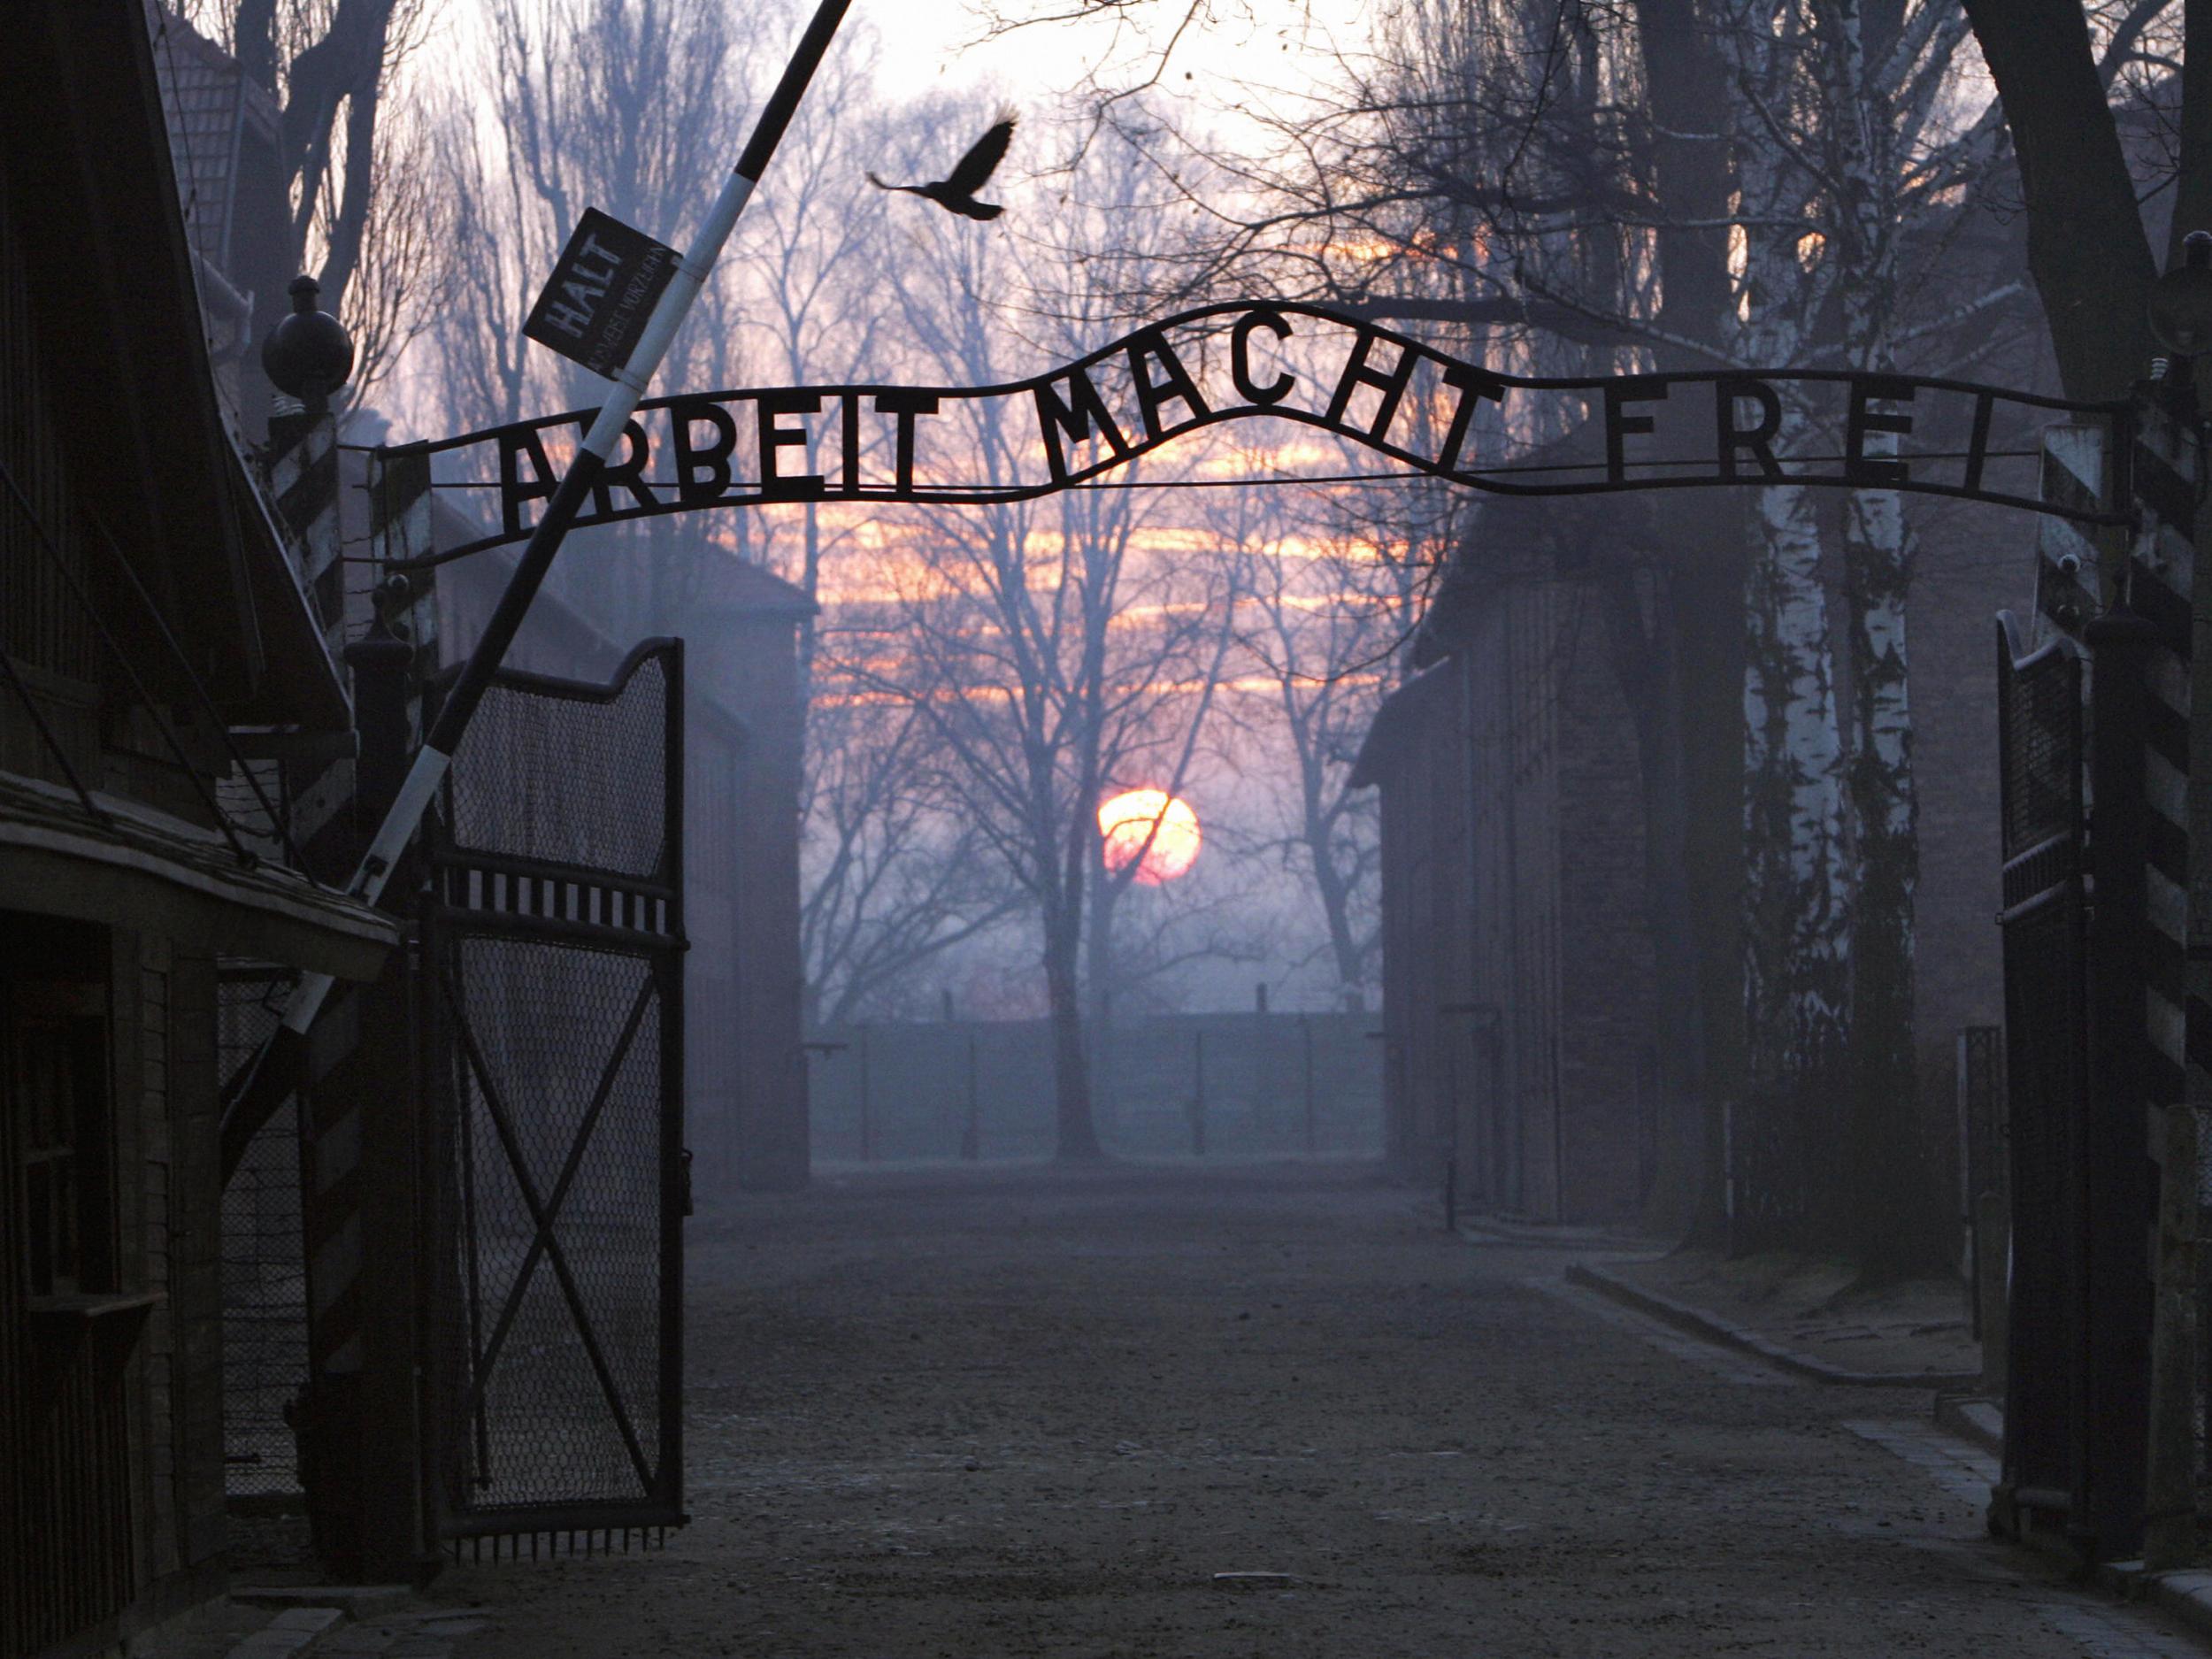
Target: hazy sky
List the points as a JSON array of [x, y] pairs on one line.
[[1242, 50], [1248, 44]]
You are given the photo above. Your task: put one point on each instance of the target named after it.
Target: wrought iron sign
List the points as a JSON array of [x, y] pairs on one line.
[[1381, 389]]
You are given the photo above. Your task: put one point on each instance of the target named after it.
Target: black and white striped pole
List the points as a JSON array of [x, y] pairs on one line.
[[275, 1069]]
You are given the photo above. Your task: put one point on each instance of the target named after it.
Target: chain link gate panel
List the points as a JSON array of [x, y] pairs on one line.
[[554, 942]]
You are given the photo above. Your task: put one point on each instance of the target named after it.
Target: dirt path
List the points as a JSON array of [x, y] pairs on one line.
[[1029, 1417]]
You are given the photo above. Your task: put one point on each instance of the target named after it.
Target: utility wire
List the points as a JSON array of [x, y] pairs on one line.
[[53, 744], [277, 825], [246, 854]]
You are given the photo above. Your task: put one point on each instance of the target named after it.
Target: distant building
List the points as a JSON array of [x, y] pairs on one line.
[[154, 627], [745, 1073], [1526, 1017], [1517, 999]]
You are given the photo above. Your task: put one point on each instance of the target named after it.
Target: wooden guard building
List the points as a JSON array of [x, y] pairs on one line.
[[151, 617]]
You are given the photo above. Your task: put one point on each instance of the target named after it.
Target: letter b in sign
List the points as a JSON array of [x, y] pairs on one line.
[[702, 469]]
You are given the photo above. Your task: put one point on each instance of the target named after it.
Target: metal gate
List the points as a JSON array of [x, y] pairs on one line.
[[553, 1064], [2047, 1068]]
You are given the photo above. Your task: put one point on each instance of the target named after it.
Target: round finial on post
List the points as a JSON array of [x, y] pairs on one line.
[[309, 354], [2180, 302]]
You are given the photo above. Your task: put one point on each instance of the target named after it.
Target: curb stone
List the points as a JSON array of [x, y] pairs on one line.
[[1699, 1323], [2186, 1591], [1973, 1419], [354, 1600], [1500, 1230], [2183, 1593], [291, 1632]]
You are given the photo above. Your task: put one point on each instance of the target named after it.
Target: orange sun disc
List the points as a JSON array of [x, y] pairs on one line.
[[1136, 816]]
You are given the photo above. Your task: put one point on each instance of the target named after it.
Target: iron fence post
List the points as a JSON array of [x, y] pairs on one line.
[[1198, 1095], [971, 1131], [867, 1136], [1305, 1038]]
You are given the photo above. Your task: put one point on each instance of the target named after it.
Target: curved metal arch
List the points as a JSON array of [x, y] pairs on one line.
[[1113, 403]]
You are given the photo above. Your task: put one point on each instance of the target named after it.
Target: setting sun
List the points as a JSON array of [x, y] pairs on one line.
[[1128, 821]]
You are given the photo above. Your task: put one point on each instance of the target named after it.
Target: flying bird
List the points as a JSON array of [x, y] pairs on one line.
[[958, 192]]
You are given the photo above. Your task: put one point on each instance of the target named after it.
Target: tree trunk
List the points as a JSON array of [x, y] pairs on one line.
[[1334, 891], [2192, 190], [1890, 1197], [2086, 247], [1889, 1200], [1796, 977], [1098, 986], [1076, 1137]]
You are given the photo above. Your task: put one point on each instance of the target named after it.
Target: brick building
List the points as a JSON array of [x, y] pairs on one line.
[[1525, 1012], [1517, 997], [155, 631]]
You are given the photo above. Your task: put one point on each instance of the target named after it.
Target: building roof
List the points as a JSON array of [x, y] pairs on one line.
[[207, 102], [732, 585], [84, 133], [1404, 712], [176, 878], [555, 637]]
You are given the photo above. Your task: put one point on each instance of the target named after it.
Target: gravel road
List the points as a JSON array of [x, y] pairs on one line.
[[1028, 1414]]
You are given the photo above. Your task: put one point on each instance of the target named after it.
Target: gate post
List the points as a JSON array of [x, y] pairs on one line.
[[2088, 1433], [361, 1432], [2112, 1426]]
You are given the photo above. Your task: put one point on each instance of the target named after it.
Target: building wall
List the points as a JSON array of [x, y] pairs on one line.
[[715, 787], [751, 656], [1424, 845], [1517, 967], [1560, 848], [110, 1496], [111, 1356], [1606, 1052], [1973, 563]]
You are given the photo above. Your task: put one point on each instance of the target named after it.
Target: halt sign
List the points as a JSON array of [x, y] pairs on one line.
[[601, 292]]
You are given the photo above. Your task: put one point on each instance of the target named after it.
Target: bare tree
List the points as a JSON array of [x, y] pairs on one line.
[[634, 107], [408, 275], [808, 264], [1049, 652], [2060, 68], [331, 65], [1693, 183], [1329, 597], [892, 880]]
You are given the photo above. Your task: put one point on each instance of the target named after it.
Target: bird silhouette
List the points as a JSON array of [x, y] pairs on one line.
[[957, 193]]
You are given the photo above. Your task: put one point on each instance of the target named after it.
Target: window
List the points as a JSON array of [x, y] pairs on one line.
[[53, 1068]]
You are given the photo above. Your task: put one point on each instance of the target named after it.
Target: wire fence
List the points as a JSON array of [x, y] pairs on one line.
[[1278, 1085]]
